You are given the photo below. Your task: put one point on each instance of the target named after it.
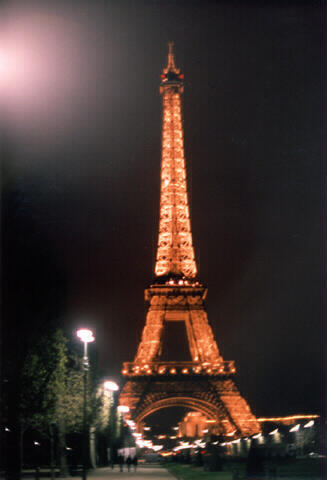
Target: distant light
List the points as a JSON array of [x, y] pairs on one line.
[[7, 429], [295, 428], [273, 431], [205, 430], [309, 424], [147, 428], [36, 443], [292, 417], [111, 386], [69, 448], [123, 408], [156, 448], [258, 435], [175, 428], [200, 444], [85, 335]]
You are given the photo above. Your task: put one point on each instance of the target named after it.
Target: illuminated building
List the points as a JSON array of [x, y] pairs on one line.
[[193, 425], [205, 384]]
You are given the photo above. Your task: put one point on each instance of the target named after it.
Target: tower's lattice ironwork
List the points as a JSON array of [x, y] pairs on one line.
[[206, 382], [175, 253]]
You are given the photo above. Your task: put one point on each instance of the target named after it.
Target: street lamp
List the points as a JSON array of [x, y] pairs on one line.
[[123, 409], [110, 386], [86, 336]]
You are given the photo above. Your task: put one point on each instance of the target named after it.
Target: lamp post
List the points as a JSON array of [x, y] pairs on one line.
[[122, 409], [109, 388], [86, 336]]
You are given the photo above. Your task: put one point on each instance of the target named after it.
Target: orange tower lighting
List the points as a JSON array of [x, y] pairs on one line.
[[204, 383], [175, 254]]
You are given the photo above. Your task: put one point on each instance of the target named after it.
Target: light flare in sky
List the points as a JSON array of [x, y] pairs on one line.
[[47, 66]]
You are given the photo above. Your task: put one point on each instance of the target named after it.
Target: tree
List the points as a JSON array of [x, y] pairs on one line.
[[44, 389], [52, 391]]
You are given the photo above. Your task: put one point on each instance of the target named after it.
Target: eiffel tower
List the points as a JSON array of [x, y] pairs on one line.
[[206, 383]]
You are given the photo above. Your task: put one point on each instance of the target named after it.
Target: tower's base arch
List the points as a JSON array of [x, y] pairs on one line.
[[190, 403], [215, 397]]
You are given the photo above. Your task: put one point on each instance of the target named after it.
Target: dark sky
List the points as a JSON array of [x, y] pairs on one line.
[[81, 128]]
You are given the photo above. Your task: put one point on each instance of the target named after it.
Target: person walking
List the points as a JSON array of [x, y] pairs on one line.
[[120, 461], [128, 463]]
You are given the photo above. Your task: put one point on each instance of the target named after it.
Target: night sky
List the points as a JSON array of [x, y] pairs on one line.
[[81, 133]]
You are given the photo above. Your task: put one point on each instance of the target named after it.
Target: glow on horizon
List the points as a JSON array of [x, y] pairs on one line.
[[47, 71]]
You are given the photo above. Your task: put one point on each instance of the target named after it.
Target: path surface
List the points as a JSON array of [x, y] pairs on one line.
[[147, 472]]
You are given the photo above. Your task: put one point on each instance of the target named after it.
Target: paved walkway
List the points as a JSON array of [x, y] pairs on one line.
[[147, 472]]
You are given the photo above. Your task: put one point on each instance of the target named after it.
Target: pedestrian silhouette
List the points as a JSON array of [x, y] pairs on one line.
[[135, 463], [120, 461], [128, 462]]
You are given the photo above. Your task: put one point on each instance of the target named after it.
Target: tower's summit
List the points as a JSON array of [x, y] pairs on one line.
[[171, 74], [175, 254]]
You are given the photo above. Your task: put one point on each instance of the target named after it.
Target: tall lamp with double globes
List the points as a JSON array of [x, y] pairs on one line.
[[122, 409], [86, 336], [110, 387]]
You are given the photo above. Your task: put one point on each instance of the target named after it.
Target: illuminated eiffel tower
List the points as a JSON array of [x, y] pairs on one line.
[[206, 383]]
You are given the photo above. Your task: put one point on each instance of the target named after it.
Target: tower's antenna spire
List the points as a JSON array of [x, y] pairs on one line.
[[171, 67], [171, 59]]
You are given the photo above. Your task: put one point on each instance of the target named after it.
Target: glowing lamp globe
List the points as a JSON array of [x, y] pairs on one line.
[[111, 386], [309, 424], [296, 428], [85, 335], [123, 409]]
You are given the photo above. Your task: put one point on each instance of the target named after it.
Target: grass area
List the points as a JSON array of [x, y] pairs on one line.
[[301, 467], [306, 467], [186, 472]]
